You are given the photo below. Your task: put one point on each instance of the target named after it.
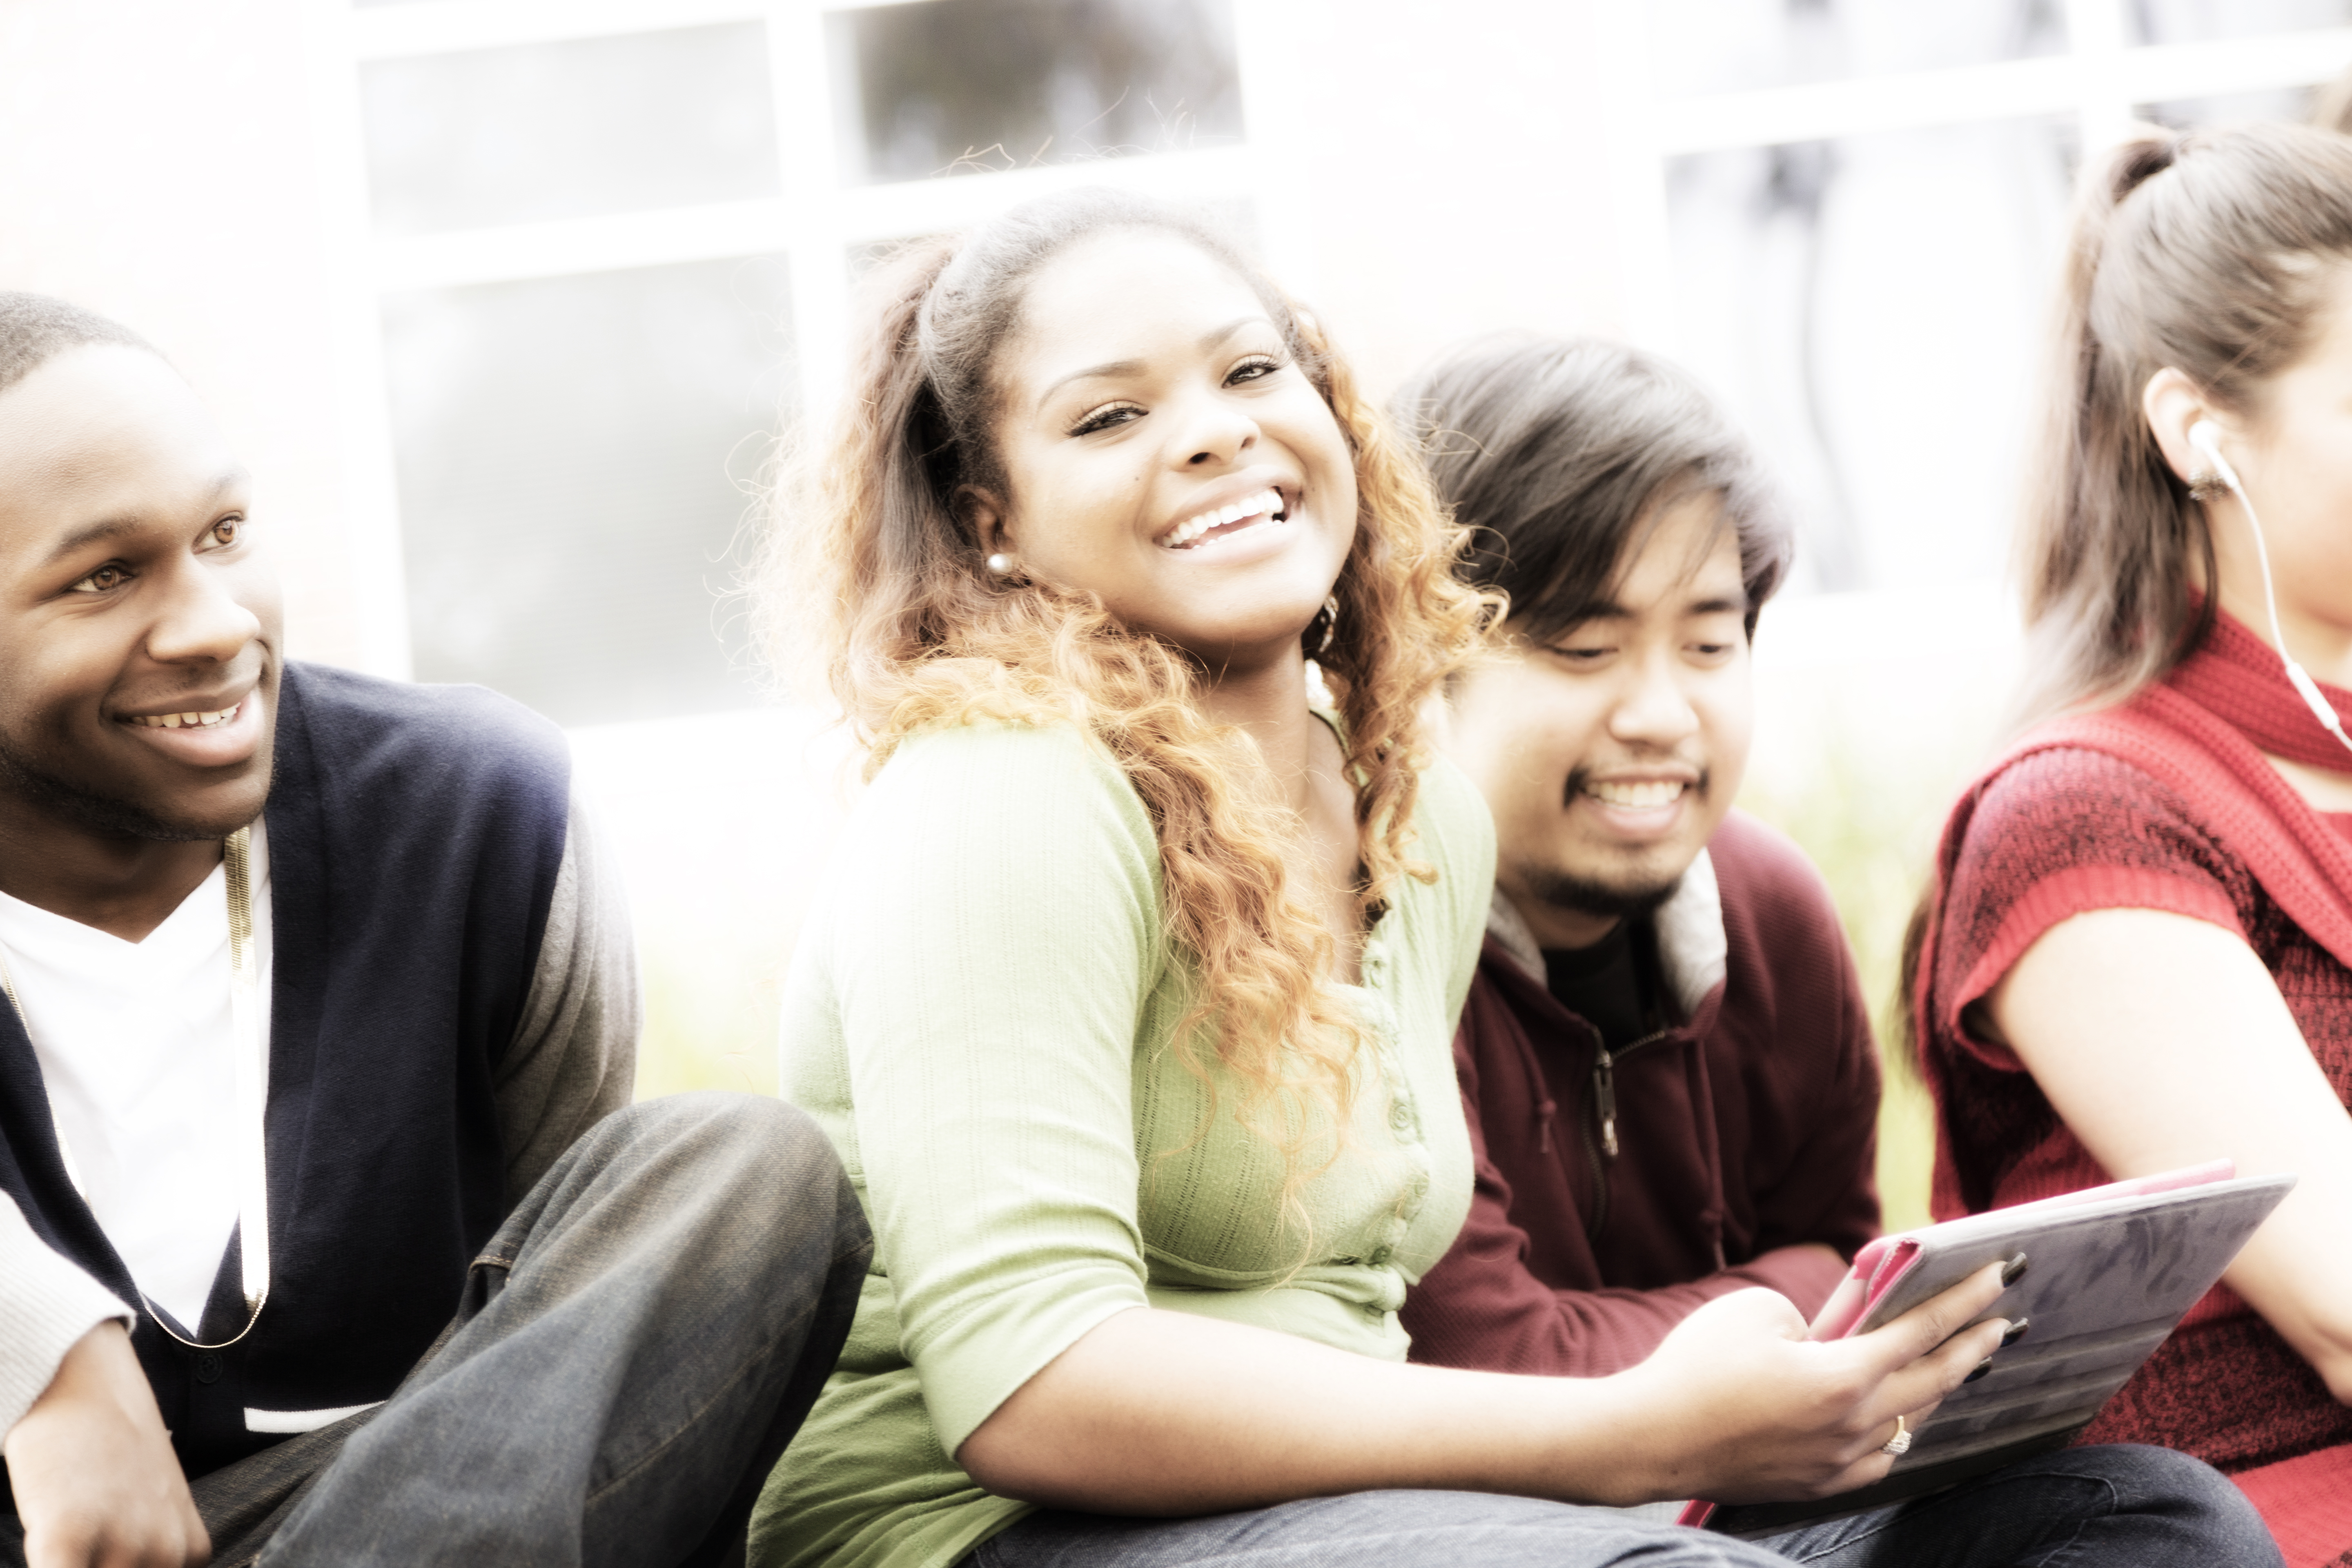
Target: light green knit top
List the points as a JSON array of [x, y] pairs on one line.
[[980, 1014]]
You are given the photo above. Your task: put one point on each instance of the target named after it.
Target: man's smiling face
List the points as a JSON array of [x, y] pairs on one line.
[[139, 624], [1610, 755]]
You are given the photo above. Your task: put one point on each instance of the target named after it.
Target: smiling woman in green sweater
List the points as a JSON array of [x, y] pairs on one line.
[[1129, 1005]]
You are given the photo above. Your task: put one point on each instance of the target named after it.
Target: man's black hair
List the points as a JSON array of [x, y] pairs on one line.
[[1560, 455], [34, 328]]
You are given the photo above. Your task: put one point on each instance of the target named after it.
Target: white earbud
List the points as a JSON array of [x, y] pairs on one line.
[[2206, 437]]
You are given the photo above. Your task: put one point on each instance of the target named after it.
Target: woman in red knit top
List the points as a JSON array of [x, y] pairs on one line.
[[2137, 951]]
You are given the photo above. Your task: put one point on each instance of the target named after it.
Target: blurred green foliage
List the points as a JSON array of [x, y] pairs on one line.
[[1873, 836], [711, 1016]]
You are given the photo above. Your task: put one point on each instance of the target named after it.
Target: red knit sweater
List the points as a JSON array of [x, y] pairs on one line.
[[2166, 805], [1746, 1131]]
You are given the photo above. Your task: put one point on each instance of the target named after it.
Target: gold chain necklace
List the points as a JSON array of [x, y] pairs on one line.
[[252, 1067]]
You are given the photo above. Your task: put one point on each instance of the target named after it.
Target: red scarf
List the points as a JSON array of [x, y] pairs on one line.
[[2239, 675], [2203, 731]]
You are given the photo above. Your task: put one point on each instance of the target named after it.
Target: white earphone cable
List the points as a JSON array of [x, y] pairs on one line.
[[2206, 437]]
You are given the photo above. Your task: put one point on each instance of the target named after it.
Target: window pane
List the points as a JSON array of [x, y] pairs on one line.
[[1871, 309], [569, 129], [571, 455], [1727, 45], [2230, 107], [1012, 82], [2194, 21], [2189, 21], [1236, 218]]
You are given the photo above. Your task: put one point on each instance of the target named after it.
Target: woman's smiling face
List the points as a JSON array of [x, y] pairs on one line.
[[1160, 447]]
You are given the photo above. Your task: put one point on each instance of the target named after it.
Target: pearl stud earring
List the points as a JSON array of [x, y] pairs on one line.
[[1002, 564]]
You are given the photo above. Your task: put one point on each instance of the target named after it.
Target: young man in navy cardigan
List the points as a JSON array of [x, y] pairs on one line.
[[1668, 1068], [296, 954]]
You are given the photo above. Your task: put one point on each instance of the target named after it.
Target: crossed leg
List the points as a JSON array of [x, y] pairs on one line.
[[635, 1348]]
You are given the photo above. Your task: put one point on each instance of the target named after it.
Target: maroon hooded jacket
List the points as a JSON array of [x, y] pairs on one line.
[[1746, 1128]]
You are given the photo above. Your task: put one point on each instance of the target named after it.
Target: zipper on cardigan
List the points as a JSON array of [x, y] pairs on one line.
[[1604, 1152], [1604, 1101], [1604, 1087]]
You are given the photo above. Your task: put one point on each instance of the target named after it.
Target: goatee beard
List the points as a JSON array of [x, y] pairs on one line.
[[1580, 895], [88, 809]]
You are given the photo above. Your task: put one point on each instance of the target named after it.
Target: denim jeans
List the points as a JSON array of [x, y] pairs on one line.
[[2112, 1507], [633, 1349]]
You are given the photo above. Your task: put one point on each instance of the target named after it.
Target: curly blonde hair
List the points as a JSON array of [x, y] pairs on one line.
[[879, 577]]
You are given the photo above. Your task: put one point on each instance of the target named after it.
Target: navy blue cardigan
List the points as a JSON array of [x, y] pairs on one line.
[[415, 836]]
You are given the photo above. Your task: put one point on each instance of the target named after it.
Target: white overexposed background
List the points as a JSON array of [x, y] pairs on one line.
[[503, 301]]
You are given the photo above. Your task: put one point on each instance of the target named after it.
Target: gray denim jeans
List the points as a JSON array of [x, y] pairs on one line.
[[634, 1350], [2109, 1507]]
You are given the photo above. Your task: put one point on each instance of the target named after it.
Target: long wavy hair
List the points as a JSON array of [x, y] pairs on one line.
[[875, 576]]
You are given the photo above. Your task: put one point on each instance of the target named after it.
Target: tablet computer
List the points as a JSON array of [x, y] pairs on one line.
[[2100, 1277]]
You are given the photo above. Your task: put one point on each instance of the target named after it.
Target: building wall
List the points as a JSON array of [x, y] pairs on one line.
[[191, 170], [160, 164], [1457, 158]]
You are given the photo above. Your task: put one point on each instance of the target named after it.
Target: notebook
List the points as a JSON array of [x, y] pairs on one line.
[[2108, 1273]]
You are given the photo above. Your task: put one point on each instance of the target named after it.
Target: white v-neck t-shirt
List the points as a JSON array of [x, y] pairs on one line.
[[138, 1052]]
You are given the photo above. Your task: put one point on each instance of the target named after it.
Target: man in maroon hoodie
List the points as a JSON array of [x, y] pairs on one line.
[[1667, 1065]]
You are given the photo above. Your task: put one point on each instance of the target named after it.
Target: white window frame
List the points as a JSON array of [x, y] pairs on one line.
[[814, 221], [2098, 80]]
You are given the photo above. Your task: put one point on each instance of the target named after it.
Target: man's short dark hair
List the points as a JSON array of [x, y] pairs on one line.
[[34, 328], [1560, 454]]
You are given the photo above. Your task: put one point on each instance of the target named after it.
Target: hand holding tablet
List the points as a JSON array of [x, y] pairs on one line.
[[2094, 1282]]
